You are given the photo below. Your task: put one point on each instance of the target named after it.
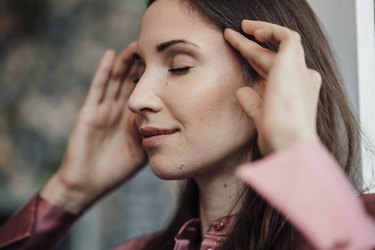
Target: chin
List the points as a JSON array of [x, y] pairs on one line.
[[169, 171]]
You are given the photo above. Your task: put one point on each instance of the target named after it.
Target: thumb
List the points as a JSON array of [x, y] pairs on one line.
[[251, 102]]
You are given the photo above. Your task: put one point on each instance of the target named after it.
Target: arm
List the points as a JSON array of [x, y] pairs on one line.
[[38, 225], [306, 184], [104, 148], [103, 152], [298, 176]]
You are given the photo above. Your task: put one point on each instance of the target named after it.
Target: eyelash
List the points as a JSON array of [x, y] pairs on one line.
[[180, 70]]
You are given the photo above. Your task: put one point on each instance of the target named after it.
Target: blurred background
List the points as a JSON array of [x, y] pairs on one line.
[[49, 50]]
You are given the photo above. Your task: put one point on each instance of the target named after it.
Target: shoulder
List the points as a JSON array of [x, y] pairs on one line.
[[137, 243], [368, 201]]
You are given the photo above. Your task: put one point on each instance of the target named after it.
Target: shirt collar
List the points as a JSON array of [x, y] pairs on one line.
[[190, 232]]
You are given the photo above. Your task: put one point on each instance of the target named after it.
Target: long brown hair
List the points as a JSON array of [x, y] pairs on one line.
[[259, 226]]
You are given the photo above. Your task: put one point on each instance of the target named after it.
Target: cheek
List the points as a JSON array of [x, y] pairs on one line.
[[216, 100], [214, 127], [209, 106], [206, 97], [199, 104]]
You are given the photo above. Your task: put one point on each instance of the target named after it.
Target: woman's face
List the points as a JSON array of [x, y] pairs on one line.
[[185, 101]]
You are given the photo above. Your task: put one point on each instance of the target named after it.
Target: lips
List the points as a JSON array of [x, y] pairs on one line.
[[152, 137], [150, 131]]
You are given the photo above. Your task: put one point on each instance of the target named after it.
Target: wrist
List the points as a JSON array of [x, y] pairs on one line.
[[300, 138], [70, 199]]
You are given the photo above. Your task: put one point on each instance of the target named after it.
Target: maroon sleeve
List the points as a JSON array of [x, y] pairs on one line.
[[138, 243], [369, 202], [38, 225]]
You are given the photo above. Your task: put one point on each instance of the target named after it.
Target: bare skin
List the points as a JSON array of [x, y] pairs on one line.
[[104, 149], [219, 196], [285, 112], [199, 103]]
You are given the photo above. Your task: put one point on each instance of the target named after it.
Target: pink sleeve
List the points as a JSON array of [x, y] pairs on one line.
[[306, 184], [38, 225]]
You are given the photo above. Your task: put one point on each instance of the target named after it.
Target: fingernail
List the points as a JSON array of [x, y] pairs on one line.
[[227, 32], [246, 22], [230, 31]]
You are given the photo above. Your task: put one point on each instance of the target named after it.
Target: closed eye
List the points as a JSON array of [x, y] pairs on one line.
[[179, 70]]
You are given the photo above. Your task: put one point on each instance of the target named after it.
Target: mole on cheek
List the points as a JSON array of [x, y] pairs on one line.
[[167, 83], [225, 185], [182, 165]]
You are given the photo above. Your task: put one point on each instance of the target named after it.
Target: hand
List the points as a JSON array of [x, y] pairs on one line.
[[284, 107], [104, 148]]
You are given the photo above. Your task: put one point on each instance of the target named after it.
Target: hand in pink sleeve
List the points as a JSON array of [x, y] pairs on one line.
[[305, 183]]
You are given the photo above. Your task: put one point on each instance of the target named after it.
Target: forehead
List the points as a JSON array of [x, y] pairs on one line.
[[170, 20]]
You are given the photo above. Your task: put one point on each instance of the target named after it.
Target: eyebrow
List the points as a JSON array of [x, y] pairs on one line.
[[165, 45]]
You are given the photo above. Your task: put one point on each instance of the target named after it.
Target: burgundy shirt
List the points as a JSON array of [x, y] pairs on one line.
[[319, 203]]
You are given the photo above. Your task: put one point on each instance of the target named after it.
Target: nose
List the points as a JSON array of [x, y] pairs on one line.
[[145, 97]]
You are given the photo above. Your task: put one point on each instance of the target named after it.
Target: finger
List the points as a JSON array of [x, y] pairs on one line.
[[129, 83], [287, 40], [284, 38], [121, 68], [101, 77], [316, 80], [250, 101], [269, 32], [257, 56], [124, 59]]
